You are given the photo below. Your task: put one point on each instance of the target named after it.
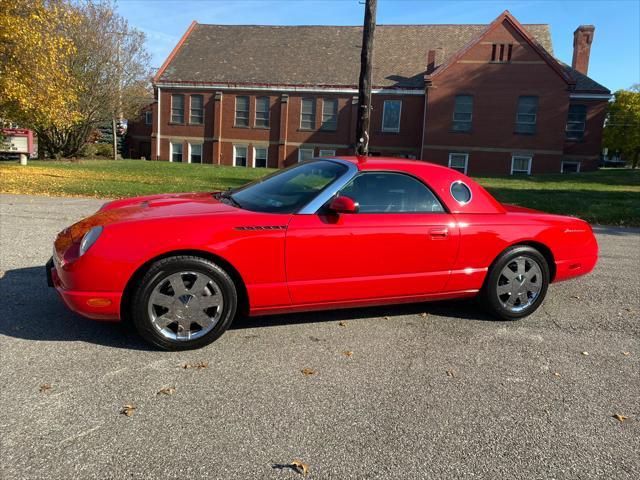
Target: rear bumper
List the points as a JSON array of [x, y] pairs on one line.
[[566, 269], [94, 305]]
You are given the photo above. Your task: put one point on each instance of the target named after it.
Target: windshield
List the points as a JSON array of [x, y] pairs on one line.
[[289, 190]]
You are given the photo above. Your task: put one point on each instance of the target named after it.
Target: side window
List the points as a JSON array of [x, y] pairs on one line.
[[386, 192]]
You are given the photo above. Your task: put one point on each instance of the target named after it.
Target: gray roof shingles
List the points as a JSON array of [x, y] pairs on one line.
[[317, 55]]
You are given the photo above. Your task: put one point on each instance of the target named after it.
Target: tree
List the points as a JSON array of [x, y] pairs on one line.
[[364, 84], [622, 127], [111, 69], [36, 87]]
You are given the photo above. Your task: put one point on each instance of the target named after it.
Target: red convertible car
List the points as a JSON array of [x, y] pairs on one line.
[[323, 234]]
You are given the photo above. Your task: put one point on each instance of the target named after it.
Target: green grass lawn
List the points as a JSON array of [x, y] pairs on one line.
[[608, 196]]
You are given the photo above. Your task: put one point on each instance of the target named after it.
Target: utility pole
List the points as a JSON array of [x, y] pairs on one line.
[[364, 84]]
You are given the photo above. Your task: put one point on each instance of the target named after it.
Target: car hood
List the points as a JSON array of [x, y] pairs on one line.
[[149, 207]]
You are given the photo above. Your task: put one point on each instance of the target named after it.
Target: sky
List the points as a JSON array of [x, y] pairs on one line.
[[615, 52]]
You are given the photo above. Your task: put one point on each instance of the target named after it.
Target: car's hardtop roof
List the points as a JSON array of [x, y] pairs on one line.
[[391, 163]]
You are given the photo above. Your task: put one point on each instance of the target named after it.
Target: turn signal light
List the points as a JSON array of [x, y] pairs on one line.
[[98, 302]]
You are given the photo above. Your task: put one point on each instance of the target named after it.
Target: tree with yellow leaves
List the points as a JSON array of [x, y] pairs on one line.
[[36, 87]]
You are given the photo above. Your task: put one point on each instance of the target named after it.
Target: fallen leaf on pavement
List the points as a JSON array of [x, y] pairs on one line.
[[128, 410], [423, 315], [575, 296], [300, 467], [451, 373], [626, 354], [557, 374], [342, 324], [45, 387], [386, 318], [586, 354], [348, 353], [620, 418], [307, 371], [197, 366], [167, 391]]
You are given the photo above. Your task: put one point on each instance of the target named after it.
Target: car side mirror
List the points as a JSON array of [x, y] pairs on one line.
[[342, 204]]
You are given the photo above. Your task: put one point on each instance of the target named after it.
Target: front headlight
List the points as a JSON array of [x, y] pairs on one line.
[[89, 239]]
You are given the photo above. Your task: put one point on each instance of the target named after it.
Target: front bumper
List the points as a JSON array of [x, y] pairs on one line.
[[94, 305]]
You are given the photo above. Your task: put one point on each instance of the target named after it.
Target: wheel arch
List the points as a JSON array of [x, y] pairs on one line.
[[243, 296], [544, 250]]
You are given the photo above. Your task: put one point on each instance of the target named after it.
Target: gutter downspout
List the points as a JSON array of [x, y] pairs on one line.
[[158, 132]]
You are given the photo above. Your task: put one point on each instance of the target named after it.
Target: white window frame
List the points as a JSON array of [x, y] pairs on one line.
[[314, 105], [572, 162], [521, 155], [326, 153], [264, 147], [173, 95], [246, 147], [255, 112], [466, 160], [384, 109], [171, 144], [189, 146], [148, 117], [235, 112], [190, 109], [334, 127], [300, 150]]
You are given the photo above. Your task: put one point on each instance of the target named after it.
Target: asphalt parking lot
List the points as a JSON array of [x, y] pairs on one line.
[[430, 391]]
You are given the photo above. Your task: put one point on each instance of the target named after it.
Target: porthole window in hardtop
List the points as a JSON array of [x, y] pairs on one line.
[[460, 192], [388, 192]]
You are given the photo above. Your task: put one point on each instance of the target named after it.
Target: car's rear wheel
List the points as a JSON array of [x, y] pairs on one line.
[[183, 302], [516, 283]]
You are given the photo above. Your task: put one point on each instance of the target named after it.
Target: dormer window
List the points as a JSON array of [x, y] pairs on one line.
[[501, 52]]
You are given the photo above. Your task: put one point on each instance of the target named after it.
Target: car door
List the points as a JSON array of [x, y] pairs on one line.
[[401, 243]]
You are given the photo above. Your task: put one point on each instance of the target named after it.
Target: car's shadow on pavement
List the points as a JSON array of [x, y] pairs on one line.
[[30, 310]]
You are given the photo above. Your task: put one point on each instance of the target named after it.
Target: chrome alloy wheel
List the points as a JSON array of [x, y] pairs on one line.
[[519, 284], [185, 305]]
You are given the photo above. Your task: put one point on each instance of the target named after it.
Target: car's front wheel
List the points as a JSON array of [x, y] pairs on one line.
[[183, 302], [516, 283]]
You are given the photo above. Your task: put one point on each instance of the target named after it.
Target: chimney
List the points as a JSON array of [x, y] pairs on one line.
[[434, 59], [582, 38]]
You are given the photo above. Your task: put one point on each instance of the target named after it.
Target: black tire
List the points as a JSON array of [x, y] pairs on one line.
[[158, 273], [489, 296]]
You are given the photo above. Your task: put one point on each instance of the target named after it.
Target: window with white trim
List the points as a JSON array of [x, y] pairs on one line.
[[148, 117], [327, 153], [260, 157], [576, 122], [195, 153], [177, 108], [521, 164], [329, 114], [308, 114], [459, 161], [262, 112], [239, 155], [305, 154], [176, 151], [462, 113], [391, 112], [242, 112], [196, 110], [570, 166], [527, 114]]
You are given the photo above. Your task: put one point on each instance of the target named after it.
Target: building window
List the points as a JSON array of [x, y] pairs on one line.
[[527, 114], [177, 108], [242, 112], [327, 153], [459, 161], [260, 157], [196, 112], [239, 155], [462, 113], [576, 122], [391, 111], [262, 112], [329, 114], [195, 153], [176, 151], [308, 114], [570, 167], [501, 52], [148, 118], [521, 164], [305, 154]]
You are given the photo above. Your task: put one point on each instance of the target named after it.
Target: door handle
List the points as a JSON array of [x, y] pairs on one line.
[[439, 232]]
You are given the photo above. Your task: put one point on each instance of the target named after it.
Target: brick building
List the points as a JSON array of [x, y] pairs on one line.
[[479, 98]]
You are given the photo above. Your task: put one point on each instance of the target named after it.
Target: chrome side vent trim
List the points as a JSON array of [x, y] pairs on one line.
[[262, 227]]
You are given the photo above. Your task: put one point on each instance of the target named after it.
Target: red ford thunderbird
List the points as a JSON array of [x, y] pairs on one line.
[[323, 234]]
